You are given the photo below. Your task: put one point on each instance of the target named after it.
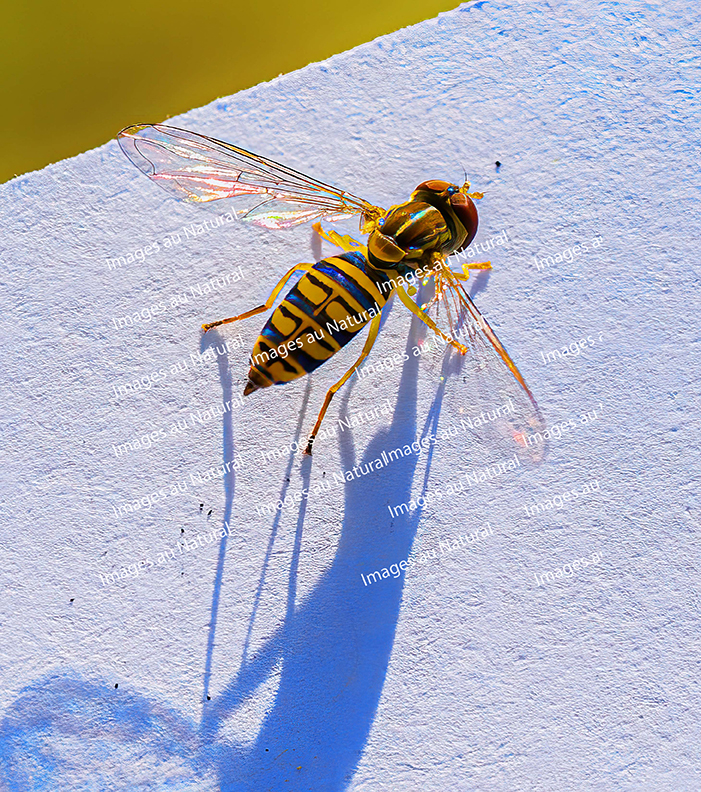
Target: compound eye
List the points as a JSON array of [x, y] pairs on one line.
[[434, 185], [466, 213]]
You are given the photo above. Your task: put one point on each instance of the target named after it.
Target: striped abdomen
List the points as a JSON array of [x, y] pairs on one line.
[[328, 307]]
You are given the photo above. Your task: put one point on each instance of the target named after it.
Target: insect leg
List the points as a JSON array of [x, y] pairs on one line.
[[477, 265], [465, 274], [346, 242], [267, 304], [369, 343], [426, 319]]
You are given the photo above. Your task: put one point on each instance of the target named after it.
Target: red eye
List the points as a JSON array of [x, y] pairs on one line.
[[466, 212]]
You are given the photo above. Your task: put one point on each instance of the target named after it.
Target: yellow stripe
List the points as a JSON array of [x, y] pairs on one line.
[[317, 351], [336, 293], [313, 293], [279, 373], [308, 325], [360, 278], [274, 366]]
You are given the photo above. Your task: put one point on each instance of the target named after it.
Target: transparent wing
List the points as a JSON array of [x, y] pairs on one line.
[[199, 169], [487, 393]]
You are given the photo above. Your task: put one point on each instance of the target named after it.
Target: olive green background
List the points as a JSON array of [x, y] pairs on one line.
[[73, 73]]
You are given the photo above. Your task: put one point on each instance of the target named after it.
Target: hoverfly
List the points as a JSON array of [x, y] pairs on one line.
[[336, 297]]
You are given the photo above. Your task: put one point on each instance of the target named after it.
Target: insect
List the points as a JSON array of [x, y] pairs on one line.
[[338, 296]]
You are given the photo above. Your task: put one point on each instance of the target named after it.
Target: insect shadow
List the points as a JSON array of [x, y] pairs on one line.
[[333, 648]]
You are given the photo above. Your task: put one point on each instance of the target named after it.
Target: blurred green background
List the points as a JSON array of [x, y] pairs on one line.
[[73, 72]]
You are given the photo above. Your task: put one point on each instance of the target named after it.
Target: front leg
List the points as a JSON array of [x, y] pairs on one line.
[[345, 242], [426, 319], [472, 265]]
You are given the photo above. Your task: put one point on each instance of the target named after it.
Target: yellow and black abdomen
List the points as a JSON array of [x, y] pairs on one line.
[[325, 310]]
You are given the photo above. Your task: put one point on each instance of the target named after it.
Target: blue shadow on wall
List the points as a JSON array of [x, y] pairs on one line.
[[333, 649], [68, 733]]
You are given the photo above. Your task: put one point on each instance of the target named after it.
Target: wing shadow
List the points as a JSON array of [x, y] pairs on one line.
[[64, 732]]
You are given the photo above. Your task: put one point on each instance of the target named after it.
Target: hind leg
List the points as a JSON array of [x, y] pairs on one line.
[[267, 304], [369, 343]]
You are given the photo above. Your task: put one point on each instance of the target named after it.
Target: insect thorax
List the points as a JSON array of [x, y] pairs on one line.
[[410, 235]]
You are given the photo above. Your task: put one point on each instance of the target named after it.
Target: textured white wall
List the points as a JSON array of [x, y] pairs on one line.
[[467, 675]]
